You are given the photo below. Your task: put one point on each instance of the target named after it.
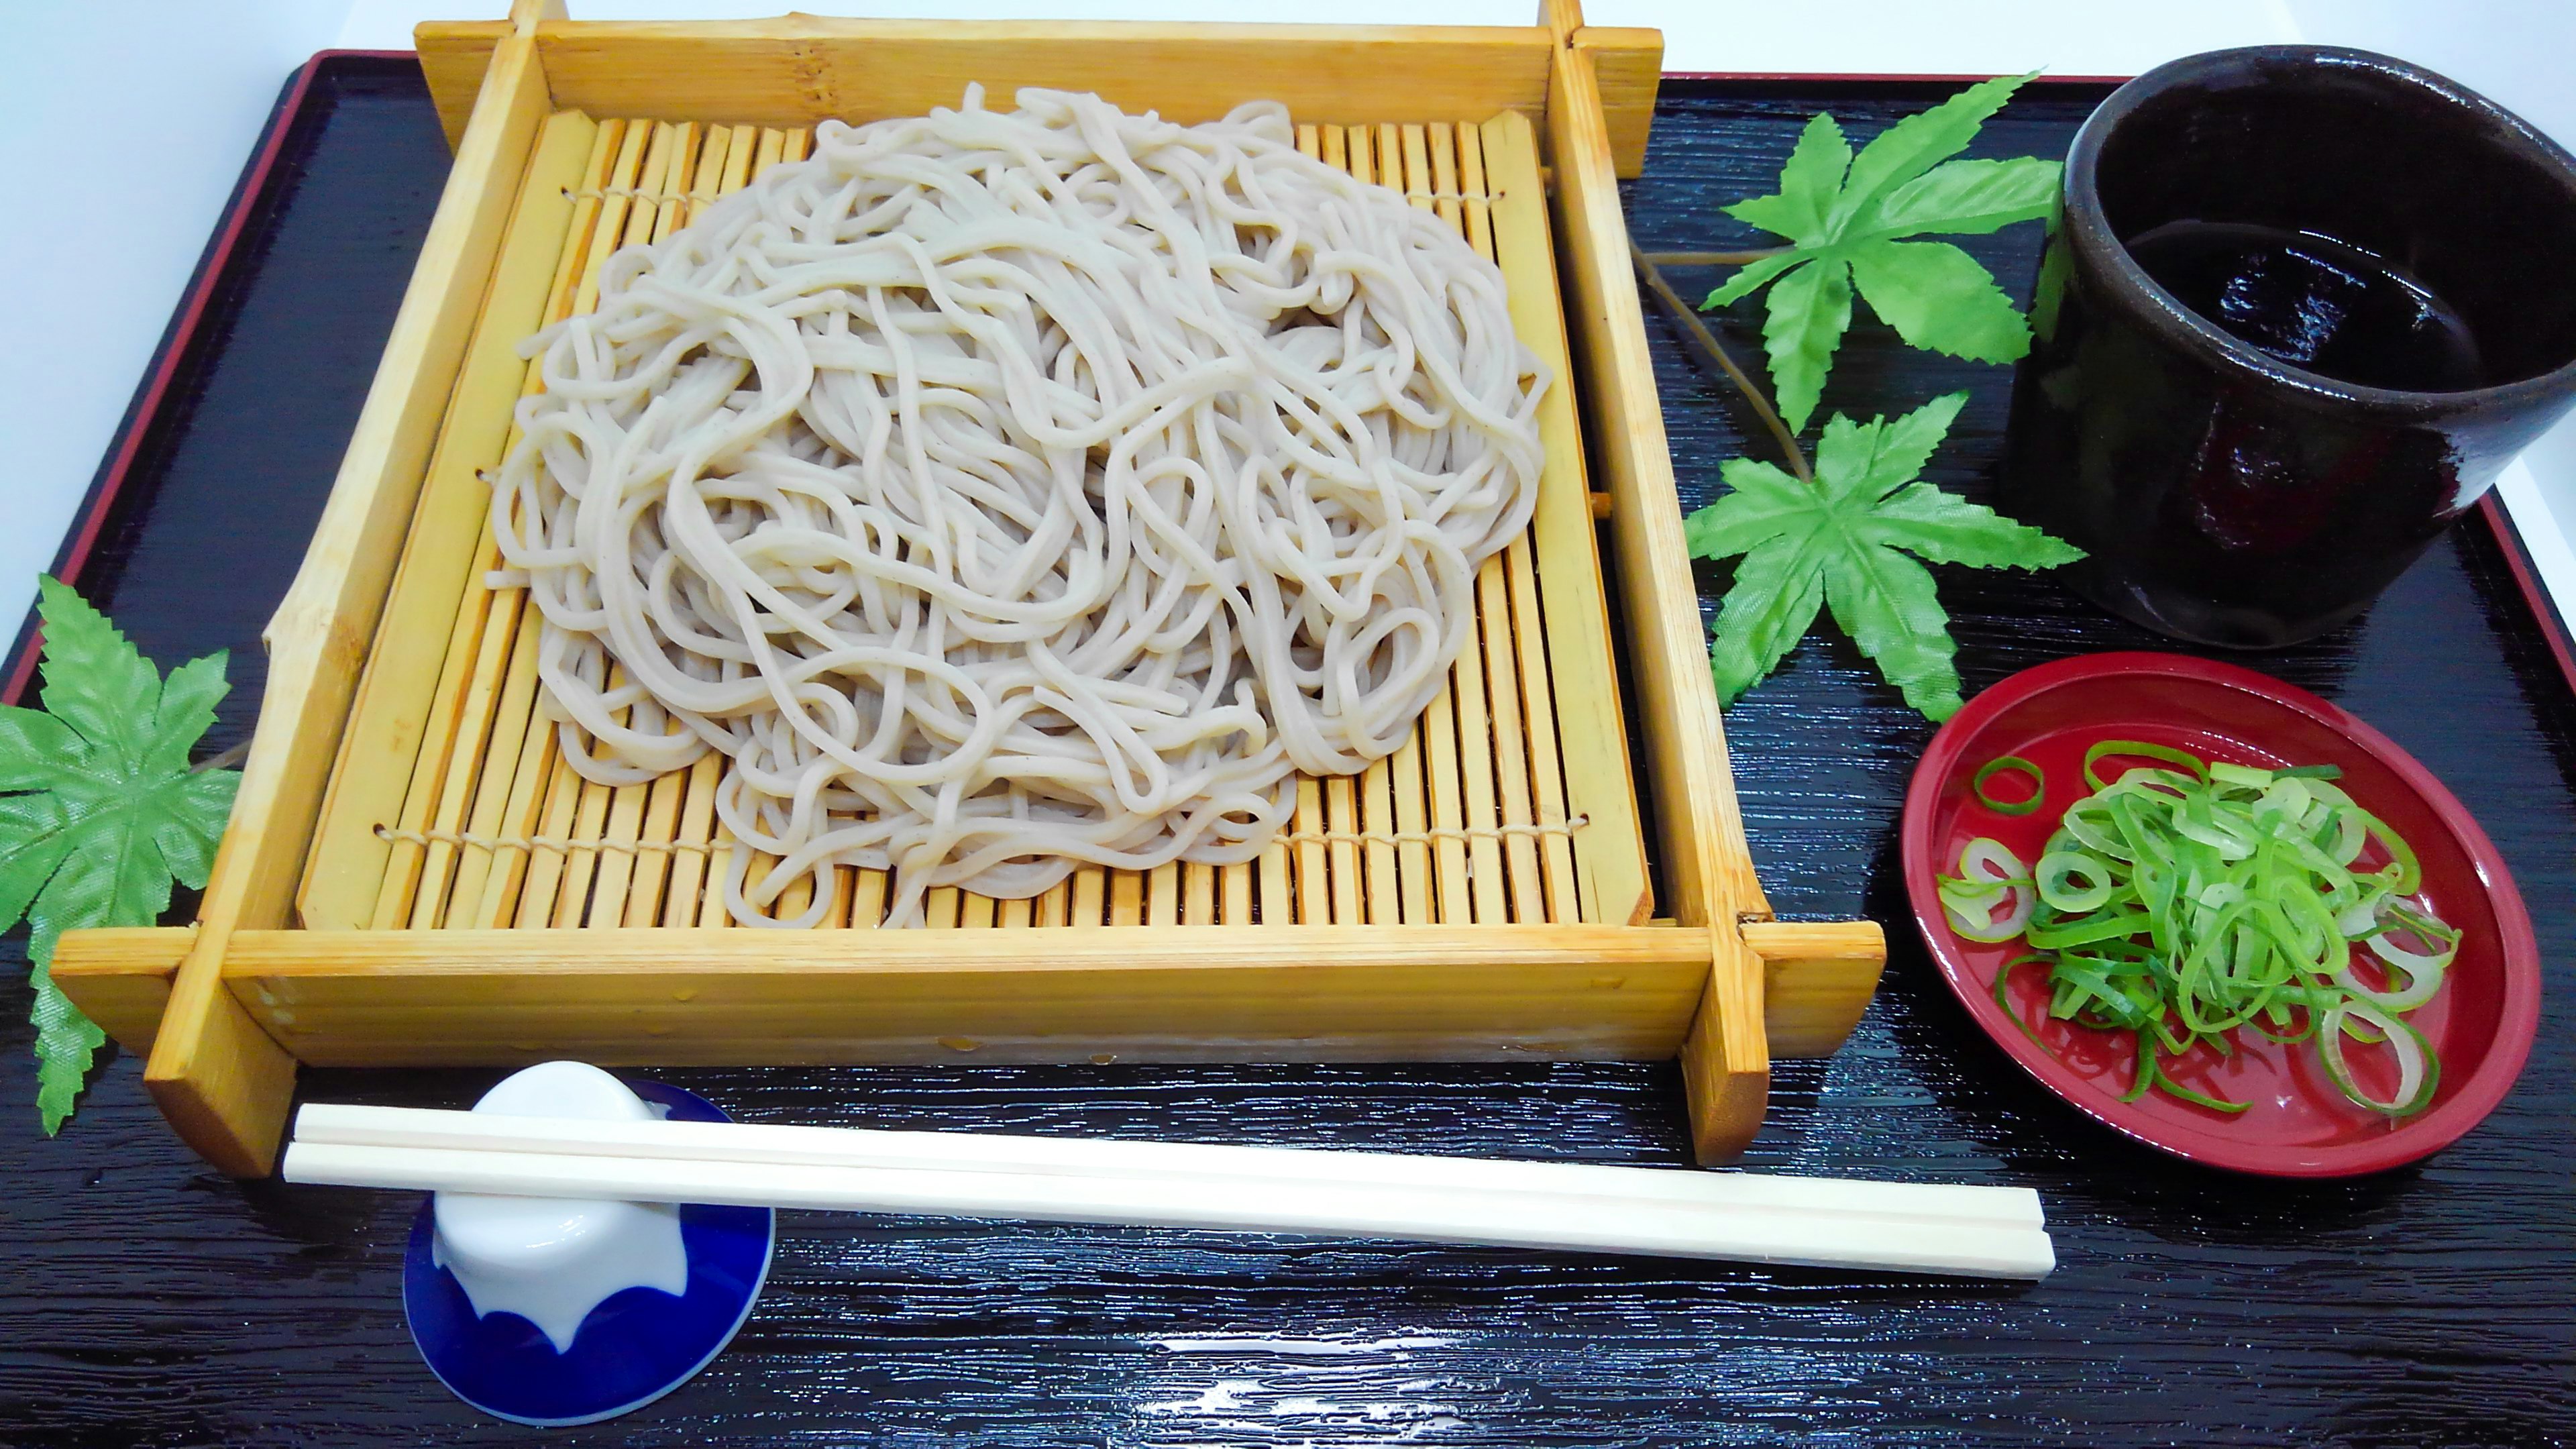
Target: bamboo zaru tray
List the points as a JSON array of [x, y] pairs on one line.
[[1512, 802], [412, 877]]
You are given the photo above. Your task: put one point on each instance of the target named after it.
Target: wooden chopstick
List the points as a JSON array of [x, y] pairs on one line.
[[1906, 1227], [993, 1152], [1522, 1220]]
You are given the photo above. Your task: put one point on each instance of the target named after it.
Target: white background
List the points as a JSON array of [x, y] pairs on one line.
[[166, 98]]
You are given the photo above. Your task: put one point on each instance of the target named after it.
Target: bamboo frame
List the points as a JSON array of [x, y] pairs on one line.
[[1707, 861], [1139, 994], [797, 70], [1493, 945]]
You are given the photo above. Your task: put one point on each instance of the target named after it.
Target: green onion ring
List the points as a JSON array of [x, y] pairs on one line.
[[2058, 868], [1999, 765]]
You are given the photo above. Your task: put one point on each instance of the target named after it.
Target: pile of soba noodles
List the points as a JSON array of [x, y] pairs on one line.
[[1002, 492]]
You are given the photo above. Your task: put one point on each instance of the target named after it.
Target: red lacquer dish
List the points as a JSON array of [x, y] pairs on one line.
[[2298, 1124]]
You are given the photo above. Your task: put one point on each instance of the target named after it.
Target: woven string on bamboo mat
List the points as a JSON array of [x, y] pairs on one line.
[[709, 847], [701, 198]]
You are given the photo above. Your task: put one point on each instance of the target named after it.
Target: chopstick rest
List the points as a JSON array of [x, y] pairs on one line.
[[557, 1310], [1873, 1226], [553, 1260]]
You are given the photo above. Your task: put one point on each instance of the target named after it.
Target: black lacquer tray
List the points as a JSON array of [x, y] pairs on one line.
[[146, 1300]]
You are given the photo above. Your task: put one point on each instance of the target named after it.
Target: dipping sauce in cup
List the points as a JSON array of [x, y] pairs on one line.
[[2303, 306]]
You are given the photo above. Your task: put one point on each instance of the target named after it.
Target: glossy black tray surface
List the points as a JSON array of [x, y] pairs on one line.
[[145, 1300]]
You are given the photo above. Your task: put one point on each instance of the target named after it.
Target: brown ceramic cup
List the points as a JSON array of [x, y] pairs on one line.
[[2225, 492]]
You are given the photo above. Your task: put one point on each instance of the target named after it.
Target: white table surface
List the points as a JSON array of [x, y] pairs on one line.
[[128, 195]]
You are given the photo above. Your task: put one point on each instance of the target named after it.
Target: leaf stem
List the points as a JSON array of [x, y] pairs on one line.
[[224, 760], [1716, 352], [1712, 259]]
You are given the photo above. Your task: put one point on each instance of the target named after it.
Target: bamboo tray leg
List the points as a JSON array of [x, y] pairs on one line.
[[1726, 1064], [1810, 981]]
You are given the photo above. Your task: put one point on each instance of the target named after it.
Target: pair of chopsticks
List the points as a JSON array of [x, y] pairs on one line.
[[1828, 1222]]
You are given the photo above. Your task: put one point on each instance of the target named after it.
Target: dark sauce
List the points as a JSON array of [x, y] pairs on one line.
[[2314, 302]]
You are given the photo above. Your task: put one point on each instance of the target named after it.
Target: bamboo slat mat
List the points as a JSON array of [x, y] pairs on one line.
[[1469, 822]]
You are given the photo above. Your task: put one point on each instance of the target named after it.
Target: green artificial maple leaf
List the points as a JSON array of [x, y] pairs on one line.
[[1845, 217], [99, 810], [1843, 543]]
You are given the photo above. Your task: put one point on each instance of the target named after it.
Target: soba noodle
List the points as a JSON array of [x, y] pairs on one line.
[[1003, 492]]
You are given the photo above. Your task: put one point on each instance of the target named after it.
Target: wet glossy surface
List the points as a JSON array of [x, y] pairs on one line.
[[145, 1300], [2314, 301]]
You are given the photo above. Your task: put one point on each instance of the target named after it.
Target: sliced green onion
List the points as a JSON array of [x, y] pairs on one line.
[[2086, 931], [2145, 1081], [2003, 991], [2419, 1071], [2139, 750], [1987, 859], [2094, 825], [1972, 916], [2177, 1089], [2185, 899], [2410, 876], [2058, 875], [2423, 969], [2016, 764]]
